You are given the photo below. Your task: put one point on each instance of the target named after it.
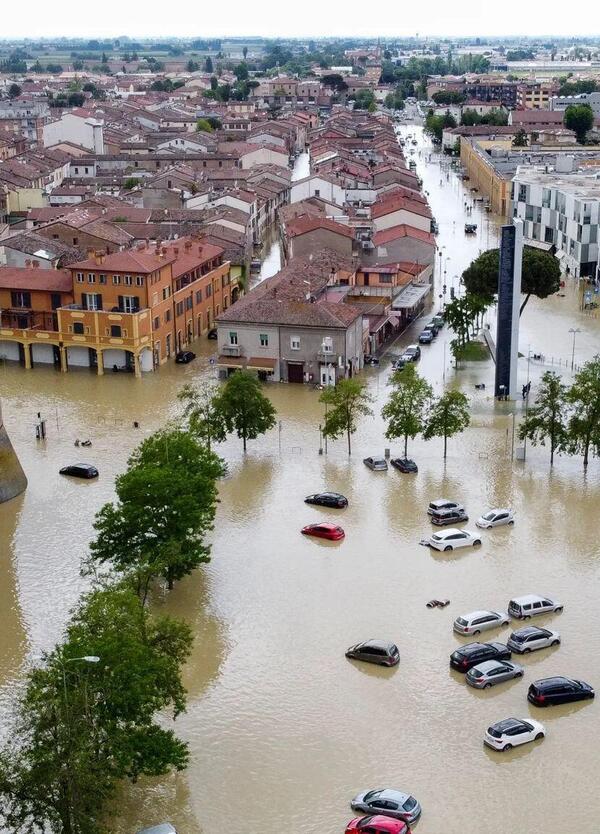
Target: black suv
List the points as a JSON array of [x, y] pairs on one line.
[[470, 655], [549, 691]]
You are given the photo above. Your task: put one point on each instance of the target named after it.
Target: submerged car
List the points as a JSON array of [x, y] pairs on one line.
[[375, 651], [477, 621], [495, 518], [443, 504], [377, 824], [473, 654], [377, 464], [185, 356], [425, 337], [332, 532], [488, 674], [548, 692], [511, 732], [404, 464], [446, 517], [453, 538], [522, 608], [531, 638], [327, 499], [391, 803], [80, 470]]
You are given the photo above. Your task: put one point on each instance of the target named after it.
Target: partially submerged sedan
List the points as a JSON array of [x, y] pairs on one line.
[[375, 651], [391, 803], [511, 732], [495, 518], [377, 824], [377, 464], [324, 530], [327, 499], [452, 538], [491, 672]]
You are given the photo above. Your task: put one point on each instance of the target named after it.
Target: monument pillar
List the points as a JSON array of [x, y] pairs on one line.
[[509, 306], [12, 477]]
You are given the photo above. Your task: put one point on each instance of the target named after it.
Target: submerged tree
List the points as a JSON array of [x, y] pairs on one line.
[[546, 418], [449, 415], [346, 402], [244, 408], [405, 410], [204, 418], [583, 427]]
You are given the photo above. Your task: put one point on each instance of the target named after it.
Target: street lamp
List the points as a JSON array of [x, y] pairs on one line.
[[574, 331]]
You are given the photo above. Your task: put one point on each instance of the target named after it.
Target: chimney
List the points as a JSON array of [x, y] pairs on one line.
[[90, 254], [200, 248], [99, 257], [176, 250], [35, 264], [188, 245], [164, 250], [28, 262]]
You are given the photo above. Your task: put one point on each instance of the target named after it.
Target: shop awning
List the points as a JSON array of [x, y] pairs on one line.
[[260, 363], [410, 296], [232, 361]]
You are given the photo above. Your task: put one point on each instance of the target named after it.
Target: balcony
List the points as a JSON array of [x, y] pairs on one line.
[[325, 354], [232, 350]]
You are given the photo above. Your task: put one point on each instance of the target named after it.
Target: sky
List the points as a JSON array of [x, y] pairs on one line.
[[310, 18]]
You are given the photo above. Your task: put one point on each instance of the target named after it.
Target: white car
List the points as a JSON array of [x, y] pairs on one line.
[[531, 638], [495, 518], [478, 621], [513, 731], [452, 538]]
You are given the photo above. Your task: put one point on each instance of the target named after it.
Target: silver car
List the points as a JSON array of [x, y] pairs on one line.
[[495, 518], [391, 803], [531, 638], [377, 464], [478, 621], [488, 674]]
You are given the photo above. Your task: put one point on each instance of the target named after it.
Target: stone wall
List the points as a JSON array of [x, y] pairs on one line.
[[12, 477]]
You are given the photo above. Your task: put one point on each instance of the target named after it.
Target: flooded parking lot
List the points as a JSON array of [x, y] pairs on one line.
[[283, 730]]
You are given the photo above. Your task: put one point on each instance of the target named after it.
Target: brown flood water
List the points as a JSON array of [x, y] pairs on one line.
[[282, 729]]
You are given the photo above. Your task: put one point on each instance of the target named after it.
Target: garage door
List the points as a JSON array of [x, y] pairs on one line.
[[295, 372]]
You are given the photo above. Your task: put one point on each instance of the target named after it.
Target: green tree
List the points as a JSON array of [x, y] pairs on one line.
[[193, 66], [583, 426], [202, 413], [520, 140], [546, 418], [82, 726], [166, 506], [580, 119], [130, 183], [245, 52], [244, 408], [14, 91], [406, 408], [208, 64], [435, 125], [540, 275], [449, 415], [345, 403], [204, 126], [241, 71]]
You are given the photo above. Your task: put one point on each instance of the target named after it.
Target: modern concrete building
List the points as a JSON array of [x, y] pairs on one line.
[[560, 210], [12, 477], [562, 102]]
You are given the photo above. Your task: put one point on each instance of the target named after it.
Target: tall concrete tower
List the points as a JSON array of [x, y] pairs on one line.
[[12, 477], [509, 304]]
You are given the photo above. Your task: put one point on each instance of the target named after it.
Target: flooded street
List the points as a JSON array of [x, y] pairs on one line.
[[283, 730]]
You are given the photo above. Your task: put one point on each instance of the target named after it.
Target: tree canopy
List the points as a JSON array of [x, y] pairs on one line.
[[244, 408], [546, 418], [448, 415], [583, 397], [580, 119], [540, 275], [406, 408]]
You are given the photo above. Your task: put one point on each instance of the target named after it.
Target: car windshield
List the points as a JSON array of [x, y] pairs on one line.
[[370, 795], [490, 516], [436, 537], [410, 803]]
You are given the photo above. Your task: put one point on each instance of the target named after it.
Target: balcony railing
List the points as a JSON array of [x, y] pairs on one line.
[[233, 350]]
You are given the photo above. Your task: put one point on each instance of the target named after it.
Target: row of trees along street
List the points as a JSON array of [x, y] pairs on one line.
[[85, 718], [410, 410]]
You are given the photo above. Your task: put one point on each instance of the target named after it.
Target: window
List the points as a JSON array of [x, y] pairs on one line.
[[139, 280], [116, 279], [102, 279], [115, 331], [295, 342], [166, 293], [20, 299], [209, 291], [129, 303], [167, 316], [75, 240], [179, 308], [78, 328], [127, 280], [92, 301], [264, 340], [233, 338], [91, 278], [156, 323], [198, 296], [327, 345], [80, 277], [188, 302]]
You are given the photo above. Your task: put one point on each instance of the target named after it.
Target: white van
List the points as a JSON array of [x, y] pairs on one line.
[[522, 608]]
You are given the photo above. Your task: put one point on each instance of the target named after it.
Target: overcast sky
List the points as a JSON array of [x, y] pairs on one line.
[[314, 18]]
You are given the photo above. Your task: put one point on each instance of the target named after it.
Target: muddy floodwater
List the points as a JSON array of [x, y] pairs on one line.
[[282, 729]]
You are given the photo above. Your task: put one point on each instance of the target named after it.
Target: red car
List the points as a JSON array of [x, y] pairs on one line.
[[324, 530], [377, 825]]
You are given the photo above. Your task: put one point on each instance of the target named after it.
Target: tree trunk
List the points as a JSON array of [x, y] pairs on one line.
[[527, 297], [405, 445], [349, 446], [445, 445], [244, 441], [586, 451]]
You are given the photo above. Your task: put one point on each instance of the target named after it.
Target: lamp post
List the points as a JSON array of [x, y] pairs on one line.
[[574, 331]]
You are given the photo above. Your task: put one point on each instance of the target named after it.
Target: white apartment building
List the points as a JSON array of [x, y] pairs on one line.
[[562, 102], [561, 210]]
